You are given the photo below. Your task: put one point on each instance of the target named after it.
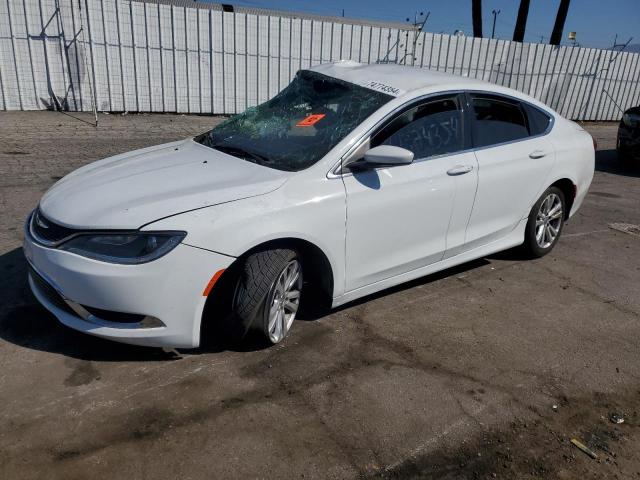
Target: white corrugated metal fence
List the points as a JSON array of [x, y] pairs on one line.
[[173, 56]]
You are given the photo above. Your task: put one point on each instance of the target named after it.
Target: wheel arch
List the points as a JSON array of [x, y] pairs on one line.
[[317, 269], [316, 263], [569, 189]]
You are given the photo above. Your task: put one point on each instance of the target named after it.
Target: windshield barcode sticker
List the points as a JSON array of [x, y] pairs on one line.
[[381, 87]]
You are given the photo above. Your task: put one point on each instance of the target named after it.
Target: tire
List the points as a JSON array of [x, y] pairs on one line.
[[267, 294], [539, 233], [621, 151]]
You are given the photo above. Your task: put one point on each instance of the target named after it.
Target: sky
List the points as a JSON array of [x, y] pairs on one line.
[[595, 21]]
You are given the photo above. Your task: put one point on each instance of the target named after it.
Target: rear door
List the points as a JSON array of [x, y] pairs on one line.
[[515, 158]]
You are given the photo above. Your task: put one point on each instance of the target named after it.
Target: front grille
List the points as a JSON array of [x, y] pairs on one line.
[[47, 231], [49, 292]]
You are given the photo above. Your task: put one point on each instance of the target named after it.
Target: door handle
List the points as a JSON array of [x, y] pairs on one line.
[[537, 154], [459, 170]]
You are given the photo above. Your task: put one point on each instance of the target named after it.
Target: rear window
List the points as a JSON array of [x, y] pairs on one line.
[[498, 120]]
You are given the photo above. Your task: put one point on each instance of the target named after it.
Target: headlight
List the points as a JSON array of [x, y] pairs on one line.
[[124, 248], [630, 119]]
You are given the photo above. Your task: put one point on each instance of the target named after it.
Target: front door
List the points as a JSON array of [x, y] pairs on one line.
[[398, 217]]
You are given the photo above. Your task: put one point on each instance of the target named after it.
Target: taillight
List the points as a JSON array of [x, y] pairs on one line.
[[595, 144]]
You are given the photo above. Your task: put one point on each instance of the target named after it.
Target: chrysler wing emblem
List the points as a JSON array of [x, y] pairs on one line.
[[40, 222]]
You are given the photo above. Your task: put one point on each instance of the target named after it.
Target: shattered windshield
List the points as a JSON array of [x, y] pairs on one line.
[[297, 127]]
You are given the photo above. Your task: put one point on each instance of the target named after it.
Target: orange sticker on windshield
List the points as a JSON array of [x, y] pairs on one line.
[[310, 120]]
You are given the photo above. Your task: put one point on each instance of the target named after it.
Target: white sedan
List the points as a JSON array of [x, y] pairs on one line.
[[353, 179]]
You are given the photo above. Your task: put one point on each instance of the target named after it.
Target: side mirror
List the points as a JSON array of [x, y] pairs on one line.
[[388, 156]]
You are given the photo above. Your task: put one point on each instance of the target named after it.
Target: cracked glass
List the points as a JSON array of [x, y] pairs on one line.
[[299, 126]]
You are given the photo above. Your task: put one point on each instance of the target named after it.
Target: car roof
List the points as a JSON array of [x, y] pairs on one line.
[[404, 81], [396, 80]]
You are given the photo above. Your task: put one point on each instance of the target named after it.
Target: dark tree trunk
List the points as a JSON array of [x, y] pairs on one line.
[[521, 22], [476, 14], [558, 27]]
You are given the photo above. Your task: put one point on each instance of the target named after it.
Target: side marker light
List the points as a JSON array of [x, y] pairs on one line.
[[212, 282]]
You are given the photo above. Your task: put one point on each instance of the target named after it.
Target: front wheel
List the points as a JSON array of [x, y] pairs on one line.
[[545, 223], [267, 294]]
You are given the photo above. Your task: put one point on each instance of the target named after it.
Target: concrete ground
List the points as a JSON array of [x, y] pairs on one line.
[[483, 371]]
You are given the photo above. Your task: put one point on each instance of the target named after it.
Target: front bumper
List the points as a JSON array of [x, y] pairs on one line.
[[165, 295]]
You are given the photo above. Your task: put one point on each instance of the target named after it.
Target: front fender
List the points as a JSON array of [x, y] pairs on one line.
[[314, 212]]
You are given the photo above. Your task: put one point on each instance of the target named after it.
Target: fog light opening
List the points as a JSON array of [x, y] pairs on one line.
[[151, 322]]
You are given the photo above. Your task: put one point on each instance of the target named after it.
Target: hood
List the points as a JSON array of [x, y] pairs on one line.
[[135, 188]]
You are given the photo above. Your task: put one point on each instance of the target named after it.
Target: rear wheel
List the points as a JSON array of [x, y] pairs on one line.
[[621, 149], [626, 155], [267, 293], [545, 222]]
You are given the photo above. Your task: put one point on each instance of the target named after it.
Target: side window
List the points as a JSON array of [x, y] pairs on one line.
[[430, 129], [538, 120], [498, 120]]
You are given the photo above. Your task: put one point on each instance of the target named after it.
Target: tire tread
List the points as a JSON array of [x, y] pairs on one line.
[[259, 271]]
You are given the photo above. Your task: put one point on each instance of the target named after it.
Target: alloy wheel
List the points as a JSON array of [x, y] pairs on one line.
[[284, 301], [548, 220]]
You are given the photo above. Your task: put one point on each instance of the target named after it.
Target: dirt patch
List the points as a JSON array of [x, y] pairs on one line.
[[605, 194], [626, 228], [83, 373], [541, 448]]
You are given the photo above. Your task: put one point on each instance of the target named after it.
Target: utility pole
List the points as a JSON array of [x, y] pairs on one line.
[[521, 22], [495, 16], [558, 27], [476, 16]]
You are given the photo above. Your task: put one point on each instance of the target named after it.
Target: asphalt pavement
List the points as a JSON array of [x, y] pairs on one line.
[[487, 370]]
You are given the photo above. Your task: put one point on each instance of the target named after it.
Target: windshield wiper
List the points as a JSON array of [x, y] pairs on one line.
[[237, 151]]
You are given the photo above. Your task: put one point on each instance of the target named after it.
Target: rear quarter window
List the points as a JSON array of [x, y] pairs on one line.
[[539, 121]]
